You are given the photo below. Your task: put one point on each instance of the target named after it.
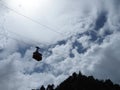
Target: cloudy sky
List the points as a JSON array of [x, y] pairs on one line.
[[74, 35]]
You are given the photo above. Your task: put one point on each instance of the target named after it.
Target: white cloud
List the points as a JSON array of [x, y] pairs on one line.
[[109, 59], [73, 19]]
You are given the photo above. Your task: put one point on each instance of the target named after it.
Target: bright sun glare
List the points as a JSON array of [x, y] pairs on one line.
[[29, 6]]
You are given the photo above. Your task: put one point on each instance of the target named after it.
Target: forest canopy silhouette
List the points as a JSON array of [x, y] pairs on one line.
[[82, 82]]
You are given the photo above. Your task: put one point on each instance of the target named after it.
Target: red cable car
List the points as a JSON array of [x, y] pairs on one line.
[[36, 55]]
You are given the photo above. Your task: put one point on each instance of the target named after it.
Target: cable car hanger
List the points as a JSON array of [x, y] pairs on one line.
[[37, 55]]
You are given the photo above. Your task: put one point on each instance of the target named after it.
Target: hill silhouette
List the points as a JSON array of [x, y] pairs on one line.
[[82, 82]]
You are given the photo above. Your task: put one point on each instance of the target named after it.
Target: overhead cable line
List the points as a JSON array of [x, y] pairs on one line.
[[17, 37], [29, 18], [26, 40]]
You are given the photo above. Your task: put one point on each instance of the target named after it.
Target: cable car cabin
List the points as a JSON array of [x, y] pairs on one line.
[[36, 55]]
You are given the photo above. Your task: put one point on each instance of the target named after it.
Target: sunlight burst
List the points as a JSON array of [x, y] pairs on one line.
[[29, 6]]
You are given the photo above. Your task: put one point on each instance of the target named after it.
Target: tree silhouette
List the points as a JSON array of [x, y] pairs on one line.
[[42, 88], [50, 87], [82, 82]]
